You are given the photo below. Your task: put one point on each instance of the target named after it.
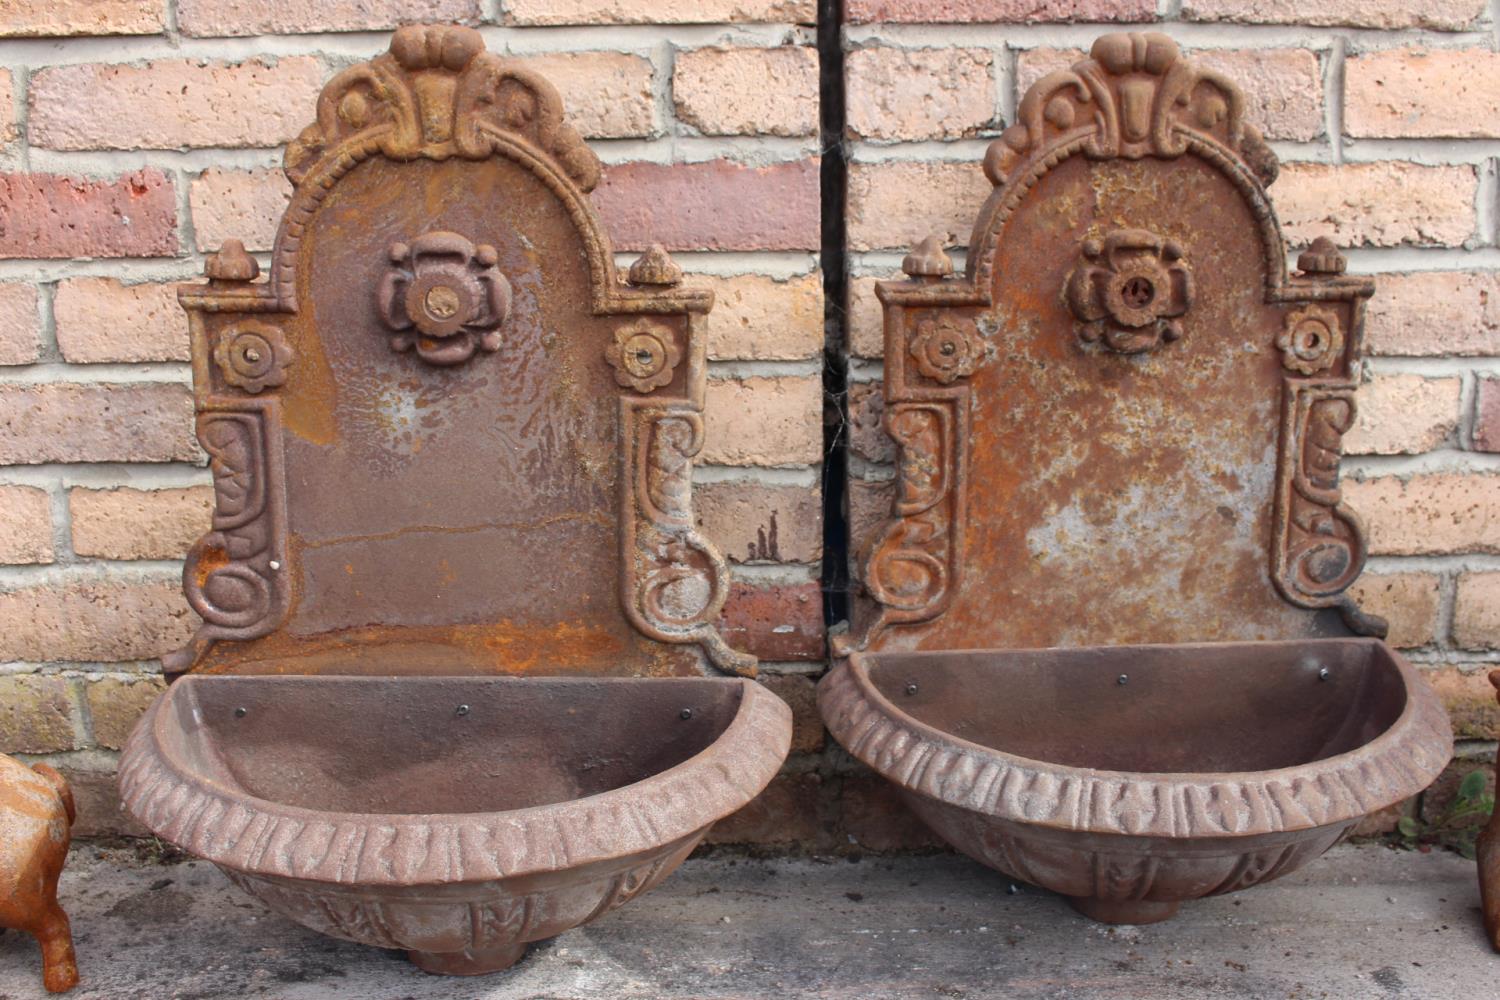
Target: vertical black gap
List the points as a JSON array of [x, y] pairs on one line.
[[833, 182]]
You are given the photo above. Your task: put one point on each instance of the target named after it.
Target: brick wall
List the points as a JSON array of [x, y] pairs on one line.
[[135, 135], [140, 134]]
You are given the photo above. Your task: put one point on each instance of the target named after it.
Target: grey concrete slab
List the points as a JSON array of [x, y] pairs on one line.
[[1366, 921]]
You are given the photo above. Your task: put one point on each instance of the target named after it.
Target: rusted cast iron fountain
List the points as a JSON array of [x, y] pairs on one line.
[[1119, 435], [448, 694]]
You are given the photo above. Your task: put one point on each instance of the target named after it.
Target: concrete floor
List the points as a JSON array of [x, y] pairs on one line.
[[1364, 922]]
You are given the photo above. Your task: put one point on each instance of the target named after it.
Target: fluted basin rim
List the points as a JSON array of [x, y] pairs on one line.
[[919, 758], [246, 833]]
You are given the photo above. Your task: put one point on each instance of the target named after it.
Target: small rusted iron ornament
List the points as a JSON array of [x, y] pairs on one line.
[[1105, 642], [36, 824]]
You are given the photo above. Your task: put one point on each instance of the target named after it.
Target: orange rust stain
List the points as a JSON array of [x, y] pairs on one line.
[[210, 562]]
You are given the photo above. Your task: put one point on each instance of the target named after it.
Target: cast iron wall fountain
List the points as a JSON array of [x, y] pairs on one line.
[[1108, 647], [448, 693]]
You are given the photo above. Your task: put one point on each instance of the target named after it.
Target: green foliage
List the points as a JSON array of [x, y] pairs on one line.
[[1456, 826]]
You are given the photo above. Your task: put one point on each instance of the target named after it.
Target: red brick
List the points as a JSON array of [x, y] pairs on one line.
[[1404, 93], [757, 522], [1392, 203], [768, 421], [20, 325], [779, 622], [132, 422], [100, 812], [35, 18], [801, 694], [714, 205], [49, 215], [25, 525], [1441, 793], [759, 318], [866, 320], [1487, 415], [913, 94], [1440, 14], [94, 618], [102, 320], [286, 17], [1434, 313], [660, 11], [867, 438], [740, 90], [36, 712], [1469, 698], [606, 95], [1429, 513], [8, 130], [785, 813], [127, 523], [996, 11], [1476, 611], [244, 205], [872, 815], [173, 103]]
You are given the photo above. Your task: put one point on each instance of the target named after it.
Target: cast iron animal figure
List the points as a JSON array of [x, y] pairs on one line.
[[1489, 857], [36, 826]]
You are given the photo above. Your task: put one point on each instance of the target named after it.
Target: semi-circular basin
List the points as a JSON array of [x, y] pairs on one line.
[[1131, 778], [457, 818]]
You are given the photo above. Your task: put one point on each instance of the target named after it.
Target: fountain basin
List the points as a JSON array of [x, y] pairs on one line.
[[458, 818], [1131, 778]]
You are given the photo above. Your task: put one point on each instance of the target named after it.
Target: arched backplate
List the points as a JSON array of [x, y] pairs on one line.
[[1123, 423], [445, 435]]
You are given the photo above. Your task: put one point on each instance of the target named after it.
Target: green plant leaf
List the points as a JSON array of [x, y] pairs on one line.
[[1472, 786], [1408, 828]]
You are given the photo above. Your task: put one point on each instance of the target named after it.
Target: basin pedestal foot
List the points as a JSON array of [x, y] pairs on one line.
[[470, 961], [1124, 911]]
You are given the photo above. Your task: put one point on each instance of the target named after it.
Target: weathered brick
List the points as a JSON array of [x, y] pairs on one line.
[[132, 422], [872, 815], [996, 11], [1283, 88], [869, 507], [1487, 415], [714, 205], [1440, 14], [801, 694], [50, 215], [913, 94], [1439, 796], [172, 103], [8, 130], [866, 320], [1377, 204], [761, 420], [1433, 313], [894, 204], [758, 318], [1469, 698], [25, 525], [20, 325], [128, 523], [747, 91], [1401, 93], [100, 812], [1429, 513], [102, 320], [116, 703], [756, 522], [94, 618], [606, 95], [785, 813], [36, 712], [1403, 415], [867, 438], [287, 17], [777, 622], [36, 18], [661, 11], [1476, 611], [1408, 601], [244, 205]]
